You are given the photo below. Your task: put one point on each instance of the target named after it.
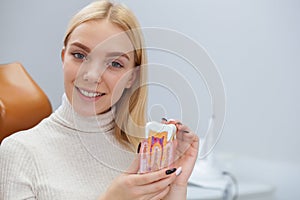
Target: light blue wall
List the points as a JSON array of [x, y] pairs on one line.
[[255, 44]]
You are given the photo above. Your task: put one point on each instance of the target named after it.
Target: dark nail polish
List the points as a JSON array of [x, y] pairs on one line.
[[164, 119], [139, 147], [170, 171], [185, 131]]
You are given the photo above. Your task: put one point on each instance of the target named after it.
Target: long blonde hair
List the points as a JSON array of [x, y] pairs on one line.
[[131, 108]]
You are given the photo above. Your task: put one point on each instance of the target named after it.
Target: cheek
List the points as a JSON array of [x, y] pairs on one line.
[[117, 85], [70, 71]]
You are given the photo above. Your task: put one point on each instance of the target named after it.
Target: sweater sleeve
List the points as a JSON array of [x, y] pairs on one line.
[[16, 171]]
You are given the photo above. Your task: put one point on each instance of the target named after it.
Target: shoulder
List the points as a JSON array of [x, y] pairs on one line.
[[31, 137], [11, 148], [21, 138], [15, 158], [17, 168], [19, 143], [23, 145], [21, 148]]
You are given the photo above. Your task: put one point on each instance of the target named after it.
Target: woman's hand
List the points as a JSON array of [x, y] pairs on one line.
[[186, 151], [185, 156], [131, 186]]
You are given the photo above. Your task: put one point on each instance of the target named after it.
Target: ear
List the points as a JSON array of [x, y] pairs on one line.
[[132, 78], [63, 54]]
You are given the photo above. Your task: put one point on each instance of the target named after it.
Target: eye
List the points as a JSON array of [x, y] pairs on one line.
[[79, 56], [116, 64]]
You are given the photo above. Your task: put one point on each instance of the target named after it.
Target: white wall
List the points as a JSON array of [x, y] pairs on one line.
[[255, 44]]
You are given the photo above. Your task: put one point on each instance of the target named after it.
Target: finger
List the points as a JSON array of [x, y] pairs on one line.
[[176, 122], [144, 179], [135, 165], [187, 138], [184, 133], [159, 185], [152, 189], [169, 121], [183, 128], [184, 140], [180, 127], [164, 120], [161, 194], [196, 141], [190, 144], [180, 151]]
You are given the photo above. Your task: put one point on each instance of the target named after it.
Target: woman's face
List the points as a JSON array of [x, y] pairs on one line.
[[98, 64]]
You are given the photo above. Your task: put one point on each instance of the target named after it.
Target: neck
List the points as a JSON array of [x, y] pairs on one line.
[[89, 124]]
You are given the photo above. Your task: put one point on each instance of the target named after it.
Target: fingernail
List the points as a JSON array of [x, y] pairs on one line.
[[139, 147], [164, 119], [178, 171], [186, 131], [178, 123], [170, 171]]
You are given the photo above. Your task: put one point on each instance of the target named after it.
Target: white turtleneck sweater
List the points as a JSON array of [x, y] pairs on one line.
[[65, 157]]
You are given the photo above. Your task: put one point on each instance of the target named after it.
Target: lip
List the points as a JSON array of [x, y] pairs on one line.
[[86, 98]]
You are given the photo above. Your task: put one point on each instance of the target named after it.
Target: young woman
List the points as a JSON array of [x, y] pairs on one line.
[[86, 149]]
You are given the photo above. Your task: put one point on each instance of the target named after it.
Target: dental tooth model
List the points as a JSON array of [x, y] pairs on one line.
[[156, 151]]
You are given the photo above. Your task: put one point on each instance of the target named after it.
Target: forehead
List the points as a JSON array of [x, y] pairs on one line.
[[101, 35]]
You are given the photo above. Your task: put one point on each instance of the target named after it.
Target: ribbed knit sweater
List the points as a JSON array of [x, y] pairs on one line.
[[65, 157]]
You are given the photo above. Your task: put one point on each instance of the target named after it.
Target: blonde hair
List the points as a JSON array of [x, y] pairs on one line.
[[131, 108]]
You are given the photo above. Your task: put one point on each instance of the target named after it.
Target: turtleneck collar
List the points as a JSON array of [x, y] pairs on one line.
[[67, 116]]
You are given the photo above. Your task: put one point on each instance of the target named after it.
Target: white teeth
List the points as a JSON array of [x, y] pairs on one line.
[[90, 94]]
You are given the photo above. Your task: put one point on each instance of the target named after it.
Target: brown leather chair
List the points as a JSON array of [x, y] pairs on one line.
[[23, 104]]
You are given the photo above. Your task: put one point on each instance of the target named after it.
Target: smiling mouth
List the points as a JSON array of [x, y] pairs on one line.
[[89, 93]]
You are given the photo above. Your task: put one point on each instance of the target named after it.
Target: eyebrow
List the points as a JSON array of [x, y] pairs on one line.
[[82, 46], [118, 54], [110, 54]]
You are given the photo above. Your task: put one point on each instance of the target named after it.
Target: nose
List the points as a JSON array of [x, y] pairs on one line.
[[91, 77], [93, 72]]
